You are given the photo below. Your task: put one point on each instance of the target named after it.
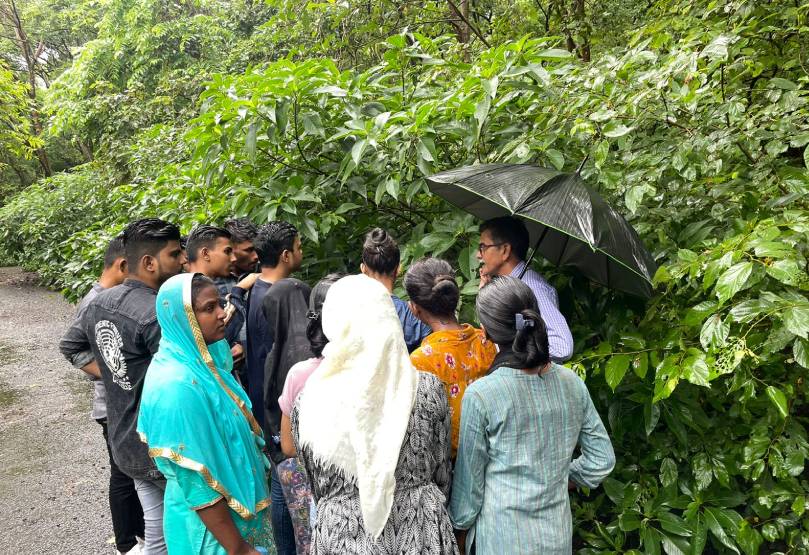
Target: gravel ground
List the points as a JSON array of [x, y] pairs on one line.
[[53, 462]]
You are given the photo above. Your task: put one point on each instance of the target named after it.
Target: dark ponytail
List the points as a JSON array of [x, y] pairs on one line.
[[314, 329], [430, 283], [508, 310]]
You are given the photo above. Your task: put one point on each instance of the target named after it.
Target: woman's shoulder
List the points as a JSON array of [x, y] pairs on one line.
[[303, 367], [429, 381], [565, 374], [430, 387], [175, 388]]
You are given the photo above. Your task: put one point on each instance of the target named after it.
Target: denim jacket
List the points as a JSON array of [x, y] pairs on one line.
[[123, 332], [76, 349]]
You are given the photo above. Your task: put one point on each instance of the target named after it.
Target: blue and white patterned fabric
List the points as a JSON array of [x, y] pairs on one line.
[[560, 340]]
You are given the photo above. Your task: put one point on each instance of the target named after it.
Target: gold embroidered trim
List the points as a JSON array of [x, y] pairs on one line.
[[209, 504], [206, 356], [215, 485]]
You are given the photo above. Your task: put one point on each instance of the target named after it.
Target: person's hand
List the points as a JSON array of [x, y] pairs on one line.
[[248, 282], [484, 279], [230, 310], [460, 539], [237, 351], [247, 549]]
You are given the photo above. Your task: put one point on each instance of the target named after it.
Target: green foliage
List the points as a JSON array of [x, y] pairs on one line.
[[15, 129], [60, 227], [698, 124]]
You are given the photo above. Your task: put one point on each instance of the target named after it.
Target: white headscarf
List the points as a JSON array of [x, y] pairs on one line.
[[355, 408]]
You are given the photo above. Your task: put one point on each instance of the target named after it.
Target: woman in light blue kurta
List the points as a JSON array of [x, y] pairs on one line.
[[519, 428], [200, 430]]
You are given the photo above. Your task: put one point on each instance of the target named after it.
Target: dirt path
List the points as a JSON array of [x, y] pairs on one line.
[[53, 463]]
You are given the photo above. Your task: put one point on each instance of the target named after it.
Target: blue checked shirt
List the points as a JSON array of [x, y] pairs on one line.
[[515, 455], [560, 340]]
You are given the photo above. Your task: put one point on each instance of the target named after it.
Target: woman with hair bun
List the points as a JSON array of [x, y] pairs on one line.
[[520, 426], [457, 354]]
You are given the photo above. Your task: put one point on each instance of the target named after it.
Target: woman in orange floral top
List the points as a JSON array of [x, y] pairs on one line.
[[457, 354]]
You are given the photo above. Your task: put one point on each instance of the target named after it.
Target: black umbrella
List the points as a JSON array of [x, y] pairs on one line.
[[569, 223]]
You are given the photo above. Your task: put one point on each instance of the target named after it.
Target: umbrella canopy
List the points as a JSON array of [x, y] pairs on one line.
[[570, 224]]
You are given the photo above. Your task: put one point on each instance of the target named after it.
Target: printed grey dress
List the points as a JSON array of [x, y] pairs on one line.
[[418, 522]]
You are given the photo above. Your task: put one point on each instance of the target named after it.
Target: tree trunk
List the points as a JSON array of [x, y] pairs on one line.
[[584, 27], [86, 151], [12, 16]]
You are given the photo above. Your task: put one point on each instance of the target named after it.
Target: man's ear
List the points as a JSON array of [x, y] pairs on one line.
[[148, 263], [204, 253], [507, 250], [122, 266]]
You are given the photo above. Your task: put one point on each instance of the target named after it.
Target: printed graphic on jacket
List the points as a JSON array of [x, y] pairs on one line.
[[109, 343]]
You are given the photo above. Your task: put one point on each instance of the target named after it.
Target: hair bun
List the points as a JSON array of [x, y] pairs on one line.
[[445, 283], [440, 278], [378, 236]]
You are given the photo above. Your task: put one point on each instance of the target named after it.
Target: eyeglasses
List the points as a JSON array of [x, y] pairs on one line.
[[483, 246]]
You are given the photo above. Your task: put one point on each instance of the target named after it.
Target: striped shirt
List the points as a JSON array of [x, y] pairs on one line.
[[560, 340], [518, 435]]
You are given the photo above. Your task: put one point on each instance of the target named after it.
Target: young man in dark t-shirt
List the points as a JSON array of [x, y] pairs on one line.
[[278, 246]]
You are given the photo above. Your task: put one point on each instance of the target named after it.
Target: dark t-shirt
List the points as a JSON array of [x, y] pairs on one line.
[[259, 343]]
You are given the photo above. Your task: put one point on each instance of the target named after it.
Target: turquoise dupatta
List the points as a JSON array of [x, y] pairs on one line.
[[194, 413]]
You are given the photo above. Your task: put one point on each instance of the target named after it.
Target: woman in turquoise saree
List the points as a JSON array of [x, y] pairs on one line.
[[198, 424]]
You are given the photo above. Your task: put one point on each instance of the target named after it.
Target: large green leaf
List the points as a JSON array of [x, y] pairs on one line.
[[714, 332], [796, 320], [778, 400], [616, 369], [733, 280]]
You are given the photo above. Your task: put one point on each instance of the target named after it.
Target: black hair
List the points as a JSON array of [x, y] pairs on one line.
[[498, 305], [241, 229], [272, 240], [430, 283], [511, 230], [147, 237], [198, 283], [314, 329], [203, 236], [115, 250], [380, 252]]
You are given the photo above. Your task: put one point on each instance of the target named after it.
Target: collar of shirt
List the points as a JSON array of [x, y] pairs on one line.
[[136, 283], [518, 269]]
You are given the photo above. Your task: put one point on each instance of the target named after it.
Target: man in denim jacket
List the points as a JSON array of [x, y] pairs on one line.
[[127, 514], [121, 324]]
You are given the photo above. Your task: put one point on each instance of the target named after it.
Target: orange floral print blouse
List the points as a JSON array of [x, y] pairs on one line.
[[457, 358]]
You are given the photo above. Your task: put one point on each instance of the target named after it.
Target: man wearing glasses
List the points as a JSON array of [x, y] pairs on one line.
[[502, 250]]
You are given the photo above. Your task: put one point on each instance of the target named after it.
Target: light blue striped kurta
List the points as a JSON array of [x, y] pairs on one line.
[[518, 434]]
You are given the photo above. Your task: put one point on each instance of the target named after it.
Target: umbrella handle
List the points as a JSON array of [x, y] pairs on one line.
[[533, 252], [581, 166]]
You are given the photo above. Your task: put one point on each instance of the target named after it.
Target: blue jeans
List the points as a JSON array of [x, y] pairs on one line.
[[282, 530], [151, 499]]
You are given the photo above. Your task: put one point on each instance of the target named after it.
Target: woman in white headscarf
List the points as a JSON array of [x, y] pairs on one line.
[[373, 434]]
